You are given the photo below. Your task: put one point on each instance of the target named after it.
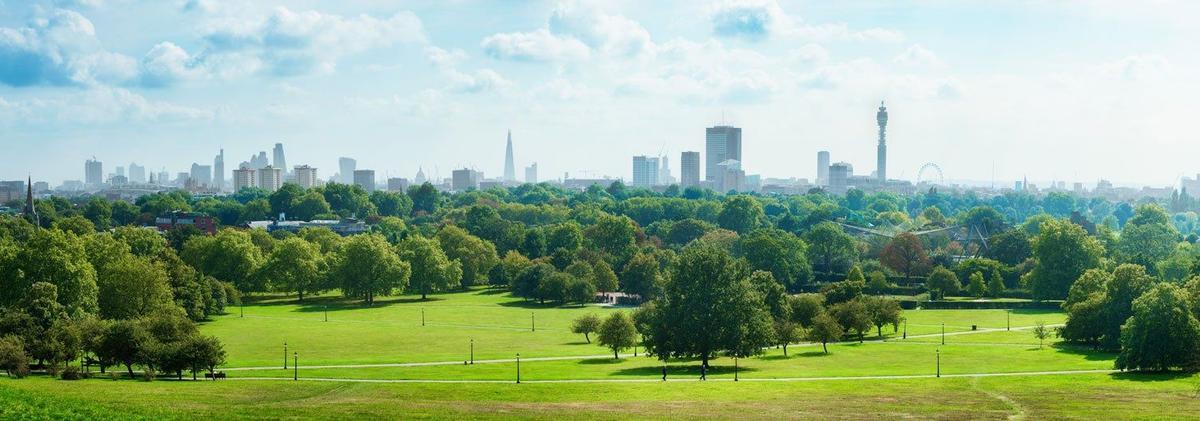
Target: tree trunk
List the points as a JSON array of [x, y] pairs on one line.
[[301, 295], [824, 347], [615, 355], [860, 336], [879, 329], [585, 336], [423, 296], [785, 350], [129, 367]]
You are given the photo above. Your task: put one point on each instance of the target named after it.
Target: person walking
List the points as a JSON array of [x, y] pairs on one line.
[[703, 373], [664, 372]]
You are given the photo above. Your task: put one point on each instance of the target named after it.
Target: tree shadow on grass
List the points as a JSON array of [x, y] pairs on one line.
[[602, 361], [688, 370], [1151, 376], [1084, 350], [333, 304], [810, 354], [532, 305]]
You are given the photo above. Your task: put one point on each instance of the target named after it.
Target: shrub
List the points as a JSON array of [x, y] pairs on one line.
[[71, 372], [148, 375]]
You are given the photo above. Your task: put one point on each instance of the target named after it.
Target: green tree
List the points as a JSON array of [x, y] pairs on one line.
[[580, 290], [829, 247], [708, 306], [995, 285], [779, 252], [586, 325], [432, 271], [294, 265], [773, 295], [1063, 251], [614, 235], [1147, 244], [1162, 333], [617, 333], [941, 283], [77, 225], [424, 199], [1009, 247], [526, 285], [56, 258], [131, 287], [806, 307], [202, 353], [366, 267], [877, 282], [348, 200], [392, 203], [640, 276], [852, 316], [309, 206], [883, 311], [509, 268], [475, 255], [230, 256], [606, 279], [124, 342], [99, 211], [788, 332], [13, 359], [825, 329], [284, 199], [975, 285], [741, 214], [1041, 332]]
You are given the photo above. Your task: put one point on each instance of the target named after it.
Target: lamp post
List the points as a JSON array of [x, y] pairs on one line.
[[285, 355], [943, 333], [518, 368], [735, 368], [939, 363], [327, 312], [295, 366], [532, 322], [422, 316], [241, 309], [905, 329], [1008, 320], [472, 351]]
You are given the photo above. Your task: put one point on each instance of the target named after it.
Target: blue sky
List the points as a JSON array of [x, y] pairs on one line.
[[1063, 90]]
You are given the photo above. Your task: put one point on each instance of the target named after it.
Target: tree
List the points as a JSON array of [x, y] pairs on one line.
[[284, 198], [883, 311], [995, 285], [580, 290], [309, 206], [348, 200], [877, 282], [942, 282], [124, 342], [526, 285], [366, 266], [829, 247], [606, 279], [614, 235], [1010, 247], [905, 254], [475, 255], [1162, 333], [57, 258], [840, 292], [585, 325], [1147, 244], [787, 332], [1063, 251], [391, 203], [294, 265], [131, 287], [554, 287], [1128, 282], [640, 276], [202, 353], [741, 214], [773, 295], [424, 199], [779, 252], [13, 359], [806, 307], [509, 268], [1041, 332], [976, 286], [825, 330], [99, 211], [230, 256], [617, 333], [708, 306], [77, 225], [432, 271], [852, 315]]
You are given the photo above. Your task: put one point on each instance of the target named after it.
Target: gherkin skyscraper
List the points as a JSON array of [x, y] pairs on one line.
[[510, 171]]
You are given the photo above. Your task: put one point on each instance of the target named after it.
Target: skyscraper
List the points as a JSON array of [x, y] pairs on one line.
[[277, 159], [202, 175], [664, 172], [531, 174], [346, 167], [306, 176], [510, 170], [137, 174], [823, 168], [93, 172], [645, 171], [365, 179], [243, 177], [269, 178], [689, 169], [881, 117], [218, 171], [465, 179], [722, 143]]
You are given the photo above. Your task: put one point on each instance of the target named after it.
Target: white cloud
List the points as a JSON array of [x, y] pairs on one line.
[[916, 55], [290, 43], [61, 49], [98, 105], [757, 20], [482, 81], [1148, 67], [539, 45], [166, 64]]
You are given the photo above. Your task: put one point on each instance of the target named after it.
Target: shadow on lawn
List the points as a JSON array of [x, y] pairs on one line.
[[1151, 376], [688, 370], [1086, 351]]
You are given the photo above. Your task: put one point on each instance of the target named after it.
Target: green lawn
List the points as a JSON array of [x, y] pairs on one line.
[[805, 384]]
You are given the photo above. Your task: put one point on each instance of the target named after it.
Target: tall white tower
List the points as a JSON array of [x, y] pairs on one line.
[[510, 170], [881, 117]]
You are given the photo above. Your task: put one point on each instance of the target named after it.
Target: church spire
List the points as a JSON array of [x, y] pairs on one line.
[[30, 212]]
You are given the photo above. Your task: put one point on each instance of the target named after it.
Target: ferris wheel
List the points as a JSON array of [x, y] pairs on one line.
[[930, 173]]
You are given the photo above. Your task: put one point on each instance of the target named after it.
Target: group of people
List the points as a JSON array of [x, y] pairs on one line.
[[703, 372]]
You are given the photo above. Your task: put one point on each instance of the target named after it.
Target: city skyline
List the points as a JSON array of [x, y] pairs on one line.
[[587, 85]]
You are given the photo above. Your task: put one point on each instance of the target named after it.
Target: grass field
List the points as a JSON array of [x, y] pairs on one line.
[[371, 352]]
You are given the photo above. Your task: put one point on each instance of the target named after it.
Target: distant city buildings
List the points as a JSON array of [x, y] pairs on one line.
[[420, 179], [531, 175], [200, 221], [218, 171], [823, 168], [93, 173], [243, 178], [306, 176], [465, 179], [365, 179], [396, 184], [346, 167], [721, 143], [269, 178], [689, 169], [201, 175], [510, 169], [137, 174], [881, 118], [277, 159], [645, 171]]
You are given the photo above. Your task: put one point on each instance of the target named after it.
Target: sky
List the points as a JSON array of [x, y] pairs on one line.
[[1049, 90]]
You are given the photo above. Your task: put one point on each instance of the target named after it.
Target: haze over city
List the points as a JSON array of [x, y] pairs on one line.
[[1045, 90]]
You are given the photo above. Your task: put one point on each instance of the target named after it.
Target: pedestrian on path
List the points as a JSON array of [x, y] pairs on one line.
[[664, 372], [703, 372]]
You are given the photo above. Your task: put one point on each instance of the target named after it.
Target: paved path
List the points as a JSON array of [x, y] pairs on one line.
[[600, 356], [694, 380]]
